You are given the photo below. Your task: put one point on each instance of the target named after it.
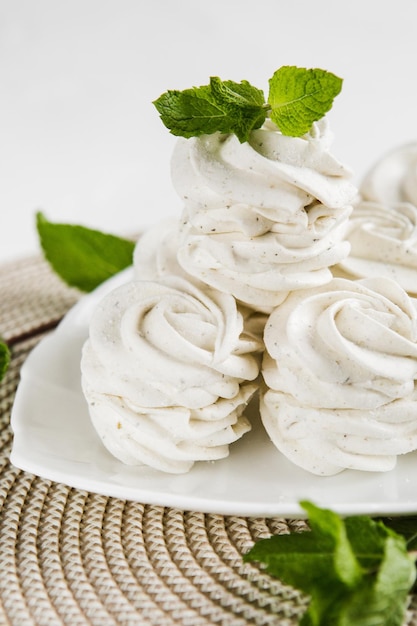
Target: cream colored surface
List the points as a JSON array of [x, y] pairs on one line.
[[340, 367], [167, 373], [263, 217]]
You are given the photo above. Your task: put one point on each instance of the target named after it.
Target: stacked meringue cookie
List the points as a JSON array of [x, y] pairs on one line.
[[167, 373], [383, 226], [264, 217], [242, 294], [341, 366]]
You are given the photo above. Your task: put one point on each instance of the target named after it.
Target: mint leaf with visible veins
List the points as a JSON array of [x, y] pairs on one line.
[[244, 104], [4, 359], [298, 97], [356, 571], [221, 106], [83, 257], [192, 112]]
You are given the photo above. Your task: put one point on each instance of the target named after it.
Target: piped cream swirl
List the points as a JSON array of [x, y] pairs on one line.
[[383, 242], [393, 178], [382, 230], [264, 217], [340, 369], [166, 372], [260, 185]]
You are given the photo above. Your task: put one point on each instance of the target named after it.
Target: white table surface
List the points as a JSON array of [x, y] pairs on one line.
[[81, 140]]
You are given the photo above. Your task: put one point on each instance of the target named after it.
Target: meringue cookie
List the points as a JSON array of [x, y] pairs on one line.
[[340, 370], [169, 439], [328, 441], [261, 271], [393, 178], [253, 187], [155, 256], [264, 217], [383, 242], [166, 372], [155, 253]]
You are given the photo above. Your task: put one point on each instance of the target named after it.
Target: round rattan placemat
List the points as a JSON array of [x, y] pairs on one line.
[[75, 558]]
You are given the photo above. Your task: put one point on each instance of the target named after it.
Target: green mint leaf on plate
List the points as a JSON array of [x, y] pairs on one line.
[[221, 106], [298, 97], [83, 257], [4, 359], [355, 571]]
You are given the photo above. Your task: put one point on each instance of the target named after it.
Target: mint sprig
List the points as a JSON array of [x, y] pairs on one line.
[[4, 359], [83, 257], [223, 106], [355, 570], [297, 98]]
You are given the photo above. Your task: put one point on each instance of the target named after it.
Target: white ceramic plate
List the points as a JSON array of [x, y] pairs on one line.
[[53, 438]]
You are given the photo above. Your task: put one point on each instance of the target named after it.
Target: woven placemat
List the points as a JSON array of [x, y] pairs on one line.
[[75, 558]]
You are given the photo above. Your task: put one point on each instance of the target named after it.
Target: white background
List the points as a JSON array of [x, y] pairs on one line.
[[81, 140]]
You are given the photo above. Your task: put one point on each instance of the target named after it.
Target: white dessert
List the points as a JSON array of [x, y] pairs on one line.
[[264, 217], [155, 253], [382, 229], [383, 242], [340, 369], [167, 372], [173, 357], [155, 256], [393, 178]]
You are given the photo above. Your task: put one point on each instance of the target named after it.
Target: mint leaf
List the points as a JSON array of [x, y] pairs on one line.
[[244, 104], [298, 97], [83, 257], [221, 106], [4, 359], [368, 538], [192, 112], [405, 526], [390, 573], [382, 597], [239, 95], [356, 571], [301, 559]]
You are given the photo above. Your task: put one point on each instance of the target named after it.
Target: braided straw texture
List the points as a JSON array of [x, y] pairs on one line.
[[76, 558]]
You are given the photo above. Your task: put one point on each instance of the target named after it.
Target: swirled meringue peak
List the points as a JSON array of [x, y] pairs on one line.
[[260, 185], [340, 370], [393, 178], [264, 217], [383, 242], [167, 373]]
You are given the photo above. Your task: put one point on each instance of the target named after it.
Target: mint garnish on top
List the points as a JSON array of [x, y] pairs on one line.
[[297, 98]]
